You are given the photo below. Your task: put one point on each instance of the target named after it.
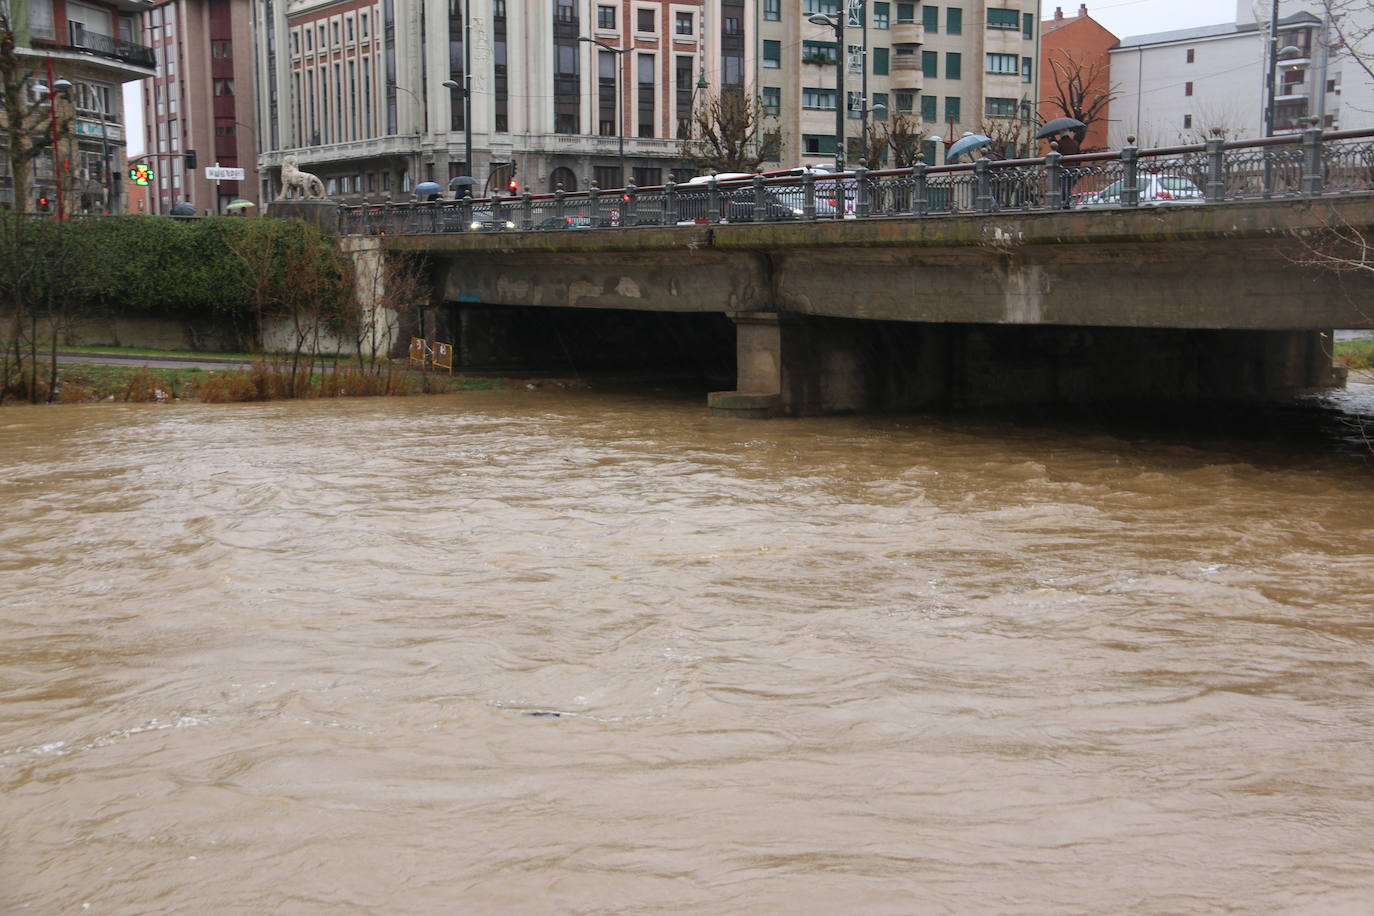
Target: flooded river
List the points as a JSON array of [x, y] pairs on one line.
[[590, 652]]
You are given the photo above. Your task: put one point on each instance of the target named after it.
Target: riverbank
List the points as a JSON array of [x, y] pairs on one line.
[[88, 375]]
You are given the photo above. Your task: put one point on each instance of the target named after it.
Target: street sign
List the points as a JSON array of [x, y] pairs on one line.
[[223, 173], [141, 174]]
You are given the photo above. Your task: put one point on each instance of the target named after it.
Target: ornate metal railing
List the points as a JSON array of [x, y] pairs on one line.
[[1310, 164]]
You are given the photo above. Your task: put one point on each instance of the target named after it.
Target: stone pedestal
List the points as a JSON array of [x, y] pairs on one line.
[[322, 214]]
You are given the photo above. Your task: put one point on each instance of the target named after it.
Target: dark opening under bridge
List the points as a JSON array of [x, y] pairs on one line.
[[1056, 283]]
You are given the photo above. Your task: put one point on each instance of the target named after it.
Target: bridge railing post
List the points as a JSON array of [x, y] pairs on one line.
[[670, 205], [465, 209], [1313, 181], [527, 221], [1130, 169], [920, 188], [386, 217], [862, 198], [593, 203], [983, 201], [631, 214], [559, 208], [712, 200], [808, 196], [1214, 189], [1056, 189], [760, 200]]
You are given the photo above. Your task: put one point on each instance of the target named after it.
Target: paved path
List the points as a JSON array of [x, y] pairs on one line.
[[157, 362]]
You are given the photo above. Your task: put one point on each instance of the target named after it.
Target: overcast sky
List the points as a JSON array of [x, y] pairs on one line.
[[1121, 17], [1124, 18]]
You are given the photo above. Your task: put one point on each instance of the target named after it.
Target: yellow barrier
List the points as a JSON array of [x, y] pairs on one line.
[[418, 351], [443, 356]]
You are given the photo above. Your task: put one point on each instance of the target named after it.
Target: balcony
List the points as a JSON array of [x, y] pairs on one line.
[[106, 46], [908, 33]]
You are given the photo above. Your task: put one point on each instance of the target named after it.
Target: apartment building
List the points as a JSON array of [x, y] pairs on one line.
[[78, 55], [370, 96], [951, 68], [201, 100], [1180, 86]]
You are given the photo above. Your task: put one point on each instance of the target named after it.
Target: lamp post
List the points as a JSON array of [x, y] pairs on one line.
[[466, 89], [54, 87], [619, 98], [836, 22], [1276, 55], [111, 196], [424, 124]]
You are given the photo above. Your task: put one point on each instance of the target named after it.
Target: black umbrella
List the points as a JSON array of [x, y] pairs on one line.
[[456, 183], [1058, 126], [184, 208]]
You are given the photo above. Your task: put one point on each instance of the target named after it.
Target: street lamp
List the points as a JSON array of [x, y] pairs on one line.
[[59, 87], [836, 22], [467, 116], [1275, 55], [619, 101]]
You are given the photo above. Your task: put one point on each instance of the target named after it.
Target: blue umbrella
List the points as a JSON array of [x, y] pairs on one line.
[[426, 188], [967, 144]]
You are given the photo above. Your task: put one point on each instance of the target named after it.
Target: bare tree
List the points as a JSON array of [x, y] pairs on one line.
[[732, 132], [1011, 137], [902, 135], [1082, 88]]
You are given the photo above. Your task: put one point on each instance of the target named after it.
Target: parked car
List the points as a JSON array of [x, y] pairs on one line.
[[480, 219], [737, 204], [559, 223], [1155, 190]]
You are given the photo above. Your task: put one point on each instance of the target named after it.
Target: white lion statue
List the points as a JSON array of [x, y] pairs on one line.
[[295, 183]]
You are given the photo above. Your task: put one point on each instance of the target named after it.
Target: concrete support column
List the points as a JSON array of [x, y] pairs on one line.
[[758, 368]]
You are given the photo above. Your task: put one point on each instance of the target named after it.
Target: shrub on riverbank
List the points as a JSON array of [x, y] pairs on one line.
[[261, 382]]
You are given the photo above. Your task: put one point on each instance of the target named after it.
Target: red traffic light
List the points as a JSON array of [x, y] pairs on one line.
[[513, 185]]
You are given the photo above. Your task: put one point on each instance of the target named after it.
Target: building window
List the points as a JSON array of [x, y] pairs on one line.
[[648, 177], [881, 15], [221, 49], [772, 10], [772, 55], [730, 25], [224, 87], [930, 64], [1028, 26], [565, 11], [952, 108], [605, 17], [606, 176], [906, 13], [879, 105], [1190, 55], [906, 101], [772, 100], [1003, 19], [930, 19], [1003, 63], [827, 7], [818, 144], [953, 65], [954, 21], [1187, 88], [644, 21], [818, 99], [1187, 121], [999, 108], [646, 95], [362, 24], [818, 52], [684, 23], [880, 61], [928, 112], [1026, 64]]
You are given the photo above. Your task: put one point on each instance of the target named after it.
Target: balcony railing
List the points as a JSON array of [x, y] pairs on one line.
[[1310, 165], [107, 46]]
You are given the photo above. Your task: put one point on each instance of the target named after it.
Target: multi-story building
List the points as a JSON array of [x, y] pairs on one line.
[[200, 100], [950, 68], [365, 97], [560, 87], [1183, 85], [1075, 72], [79, 55]]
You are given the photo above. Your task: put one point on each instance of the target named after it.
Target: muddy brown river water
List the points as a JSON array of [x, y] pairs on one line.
[[589, 652]]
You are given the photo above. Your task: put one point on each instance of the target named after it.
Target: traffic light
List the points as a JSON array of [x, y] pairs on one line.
[[513, 185], [43, 205], [190, 160]]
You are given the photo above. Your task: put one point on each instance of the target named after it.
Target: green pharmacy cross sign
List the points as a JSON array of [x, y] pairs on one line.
[[141, 174]]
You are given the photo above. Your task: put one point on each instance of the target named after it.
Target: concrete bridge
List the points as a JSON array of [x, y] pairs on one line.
[[1215, 301]]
